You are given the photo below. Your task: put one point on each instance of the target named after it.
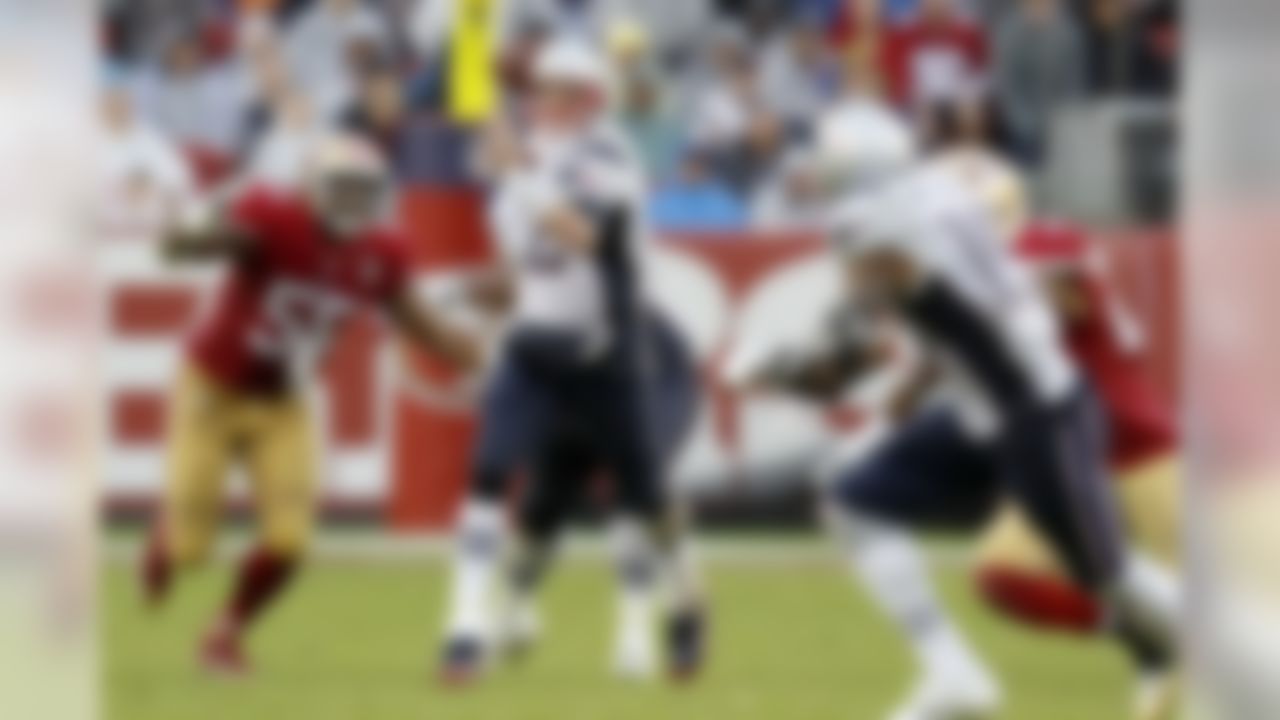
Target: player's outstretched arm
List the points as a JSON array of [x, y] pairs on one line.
[[431, 332], [203, 233], [491, 290], [819, 371], [908, 392], [1069, 294], [819, 376]]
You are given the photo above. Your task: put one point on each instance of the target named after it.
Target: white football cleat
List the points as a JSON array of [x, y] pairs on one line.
[[958, 693]]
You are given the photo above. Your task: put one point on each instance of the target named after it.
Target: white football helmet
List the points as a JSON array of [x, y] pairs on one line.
[[859, 144], [573, 62], [348, 182], [869, 222]]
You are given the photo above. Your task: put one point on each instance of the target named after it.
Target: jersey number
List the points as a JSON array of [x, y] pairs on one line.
[[298, 323]]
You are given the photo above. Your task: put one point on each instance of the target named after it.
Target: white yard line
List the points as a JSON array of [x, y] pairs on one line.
[[372, 547]]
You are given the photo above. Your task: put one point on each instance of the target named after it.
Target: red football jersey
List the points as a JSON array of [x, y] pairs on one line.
[[285, 300], [1140, 421]]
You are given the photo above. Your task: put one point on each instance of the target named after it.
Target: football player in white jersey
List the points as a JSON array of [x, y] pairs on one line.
[[580, 384], [990, 407]]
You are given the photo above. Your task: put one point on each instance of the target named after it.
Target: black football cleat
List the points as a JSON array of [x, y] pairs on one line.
[[222, 654], [155, 572], [686, 644], [461, 662]]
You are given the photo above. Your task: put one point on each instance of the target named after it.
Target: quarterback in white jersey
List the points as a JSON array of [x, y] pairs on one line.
[[559, 287], [589, 378], [1012, 417]]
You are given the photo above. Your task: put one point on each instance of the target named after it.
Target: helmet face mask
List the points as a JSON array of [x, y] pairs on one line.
[[351, 202], [861, 147], [349, 186], [572, 86], [565, 105]]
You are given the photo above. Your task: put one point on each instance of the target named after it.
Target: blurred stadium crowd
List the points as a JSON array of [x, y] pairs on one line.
[[718, 94]]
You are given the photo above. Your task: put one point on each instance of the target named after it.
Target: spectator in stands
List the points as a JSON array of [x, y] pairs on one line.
[[1159, 30], [798, 72], [630, 50], [285, 122], [321, 45], [969, 118], [730, 100], [653, 129], [378, 111], [990, 11], [824, 12], [398, 17], [200, 105], [517, 28], [145, 178], [584, 18], [858, 26], [746, 164], [291, 127], [719, 110], [966, 136], [759, 19], [516, 67], [1039, 68], [933, 54], [434, 20], [696, 201], [675, 28], [137, 30], [791, 198], [863, 76], [1121, 59], [902, 11]]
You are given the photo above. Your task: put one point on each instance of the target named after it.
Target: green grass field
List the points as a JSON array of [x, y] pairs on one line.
[[355, 641]]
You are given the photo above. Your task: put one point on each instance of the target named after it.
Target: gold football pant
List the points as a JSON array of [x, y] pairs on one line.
[[211, 430], [1149, 502]]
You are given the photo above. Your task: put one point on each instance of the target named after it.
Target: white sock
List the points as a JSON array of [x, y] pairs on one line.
[[1154, 587], [889, 563], [524, 577], [476, 559], [637, 568], [528, 564], [1146, 599], [682, 575]]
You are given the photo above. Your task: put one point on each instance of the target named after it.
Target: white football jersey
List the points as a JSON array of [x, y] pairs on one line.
[[997, 182], [559, 289], [951, 234]]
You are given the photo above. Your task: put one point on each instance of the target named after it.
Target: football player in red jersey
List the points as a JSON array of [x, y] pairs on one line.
[[1016, 571], [300, 265]]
